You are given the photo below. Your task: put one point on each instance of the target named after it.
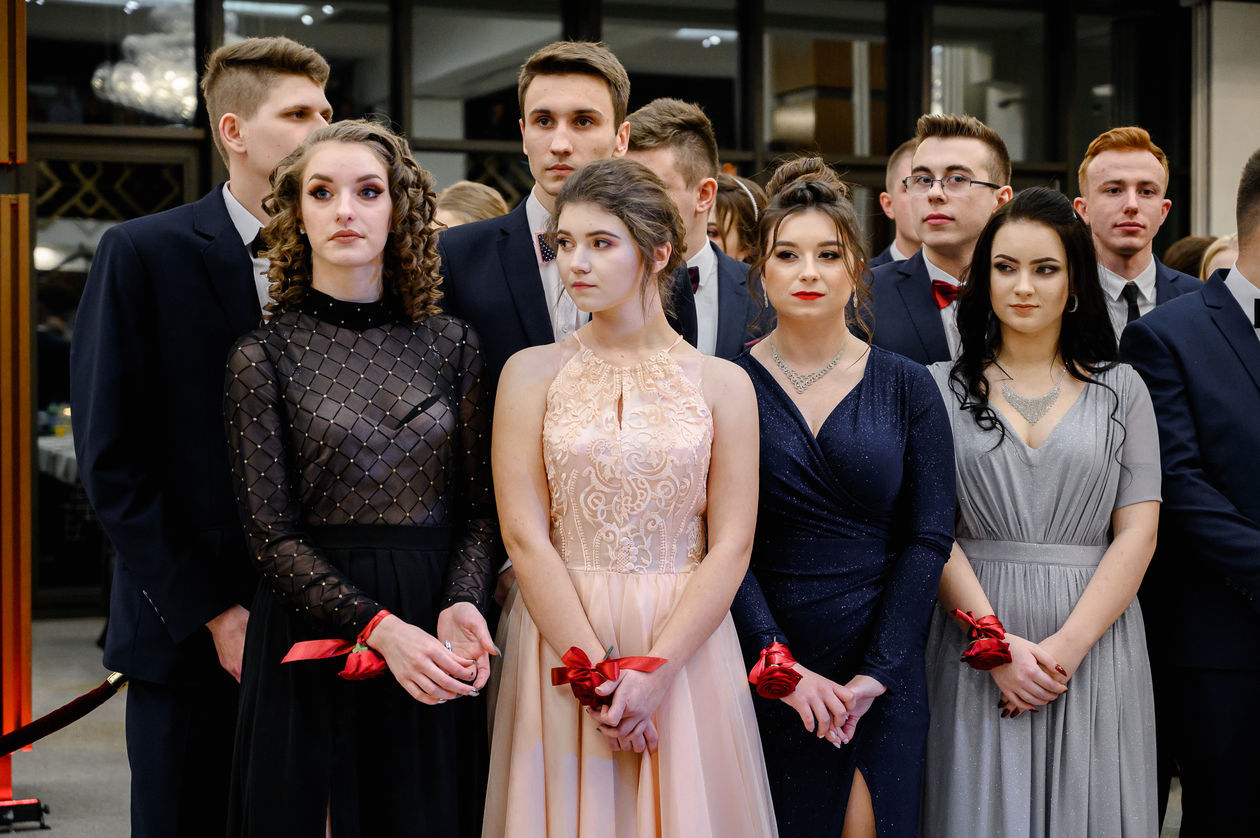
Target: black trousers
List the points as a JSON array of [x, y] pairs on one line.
[[1215, 744], [179, 745]]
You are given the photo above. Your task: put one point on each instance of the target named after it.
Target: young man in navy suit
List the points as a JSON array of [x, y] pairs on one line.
[[959, 175], [675, 140], [1123, 184], [166, 297], [1200, 357], [895, 202]]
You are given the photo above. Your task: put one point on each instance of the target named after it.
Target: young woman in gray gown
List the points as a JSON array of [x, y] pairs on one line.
[[1057, 462]]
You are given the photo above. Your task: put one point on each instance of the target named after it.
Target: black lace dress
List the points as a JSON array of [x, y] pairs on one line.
[[360, 447]]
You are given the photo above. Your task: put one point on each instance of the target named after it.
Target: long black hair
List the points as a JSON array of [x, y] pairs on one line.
[[1087, 341]]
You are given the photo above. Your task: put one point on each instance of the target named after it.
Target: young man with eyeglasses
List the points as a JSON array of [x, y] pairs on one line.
[[959, 175]]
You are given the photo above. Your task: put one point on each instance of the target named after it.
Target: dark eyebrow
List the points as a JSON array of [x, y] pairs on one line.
[[361, 178], [607, 233], [1038, 261], [832, 243]]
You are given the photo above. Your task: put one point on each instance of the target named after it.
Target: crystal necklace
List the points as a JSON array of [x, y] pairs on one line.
[[1032, 408], [802, 382]]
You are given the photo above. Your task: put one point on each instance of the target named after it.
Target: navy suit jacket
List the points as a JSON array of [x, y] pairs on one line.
[[491, 280], [906, 318], [741, 319], [166, 297], [882, 258], [1200, 359], [1170, 284]]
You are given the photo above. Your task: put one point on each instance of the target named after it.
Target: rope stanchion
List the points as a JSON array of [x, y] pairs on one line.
[[62, 716]]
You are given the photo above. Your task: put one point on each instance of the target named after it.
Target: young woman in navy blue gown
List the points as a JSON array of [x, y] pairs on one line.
[[854, 525]]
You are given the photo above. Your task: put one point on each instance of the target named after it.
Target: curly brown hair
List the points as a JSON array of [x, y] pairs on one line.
[[410, 260], [808, 183]]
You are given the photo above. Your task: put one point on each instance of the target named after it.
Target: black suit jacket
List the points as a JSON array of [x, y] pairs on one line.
[[741, 319], [906, 318], [165, 299], [1201, 361], [490, 279]]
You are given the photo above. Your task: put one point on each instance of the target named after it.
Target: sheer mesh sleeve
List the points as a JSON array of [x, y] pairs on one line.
[[270, 509], [469, 577]]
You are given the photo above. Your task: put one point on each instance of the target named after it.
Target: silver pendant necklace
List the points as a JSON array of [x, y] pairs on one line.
[[1032, 408], [802, 382]]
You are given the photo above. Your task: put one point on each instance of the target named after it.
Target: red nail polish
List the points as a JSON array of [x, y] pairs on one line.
[[1061, 670]]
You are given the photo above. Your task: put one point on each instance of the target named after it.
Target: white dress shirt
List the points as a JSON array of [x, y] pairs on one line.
[[949, 314], [897, 255], [564, 313], [1113, 289], [1245, 293], [247, 226], [706, 299]]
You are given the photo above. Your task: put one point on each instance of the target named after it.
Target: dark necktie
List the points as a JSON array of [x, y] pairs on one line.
[[1130, 294], [544, 249], [694, 275], [257, 246], [944, 292]]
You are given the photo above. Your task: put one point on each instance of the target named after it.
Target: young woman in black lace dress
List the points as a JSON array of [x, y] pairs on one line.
[[358, 429]]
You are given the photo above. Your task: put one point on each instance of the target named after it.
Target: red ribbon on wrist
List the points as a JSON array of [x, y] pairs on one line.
[[988, 649], [362, 662], [773, 675], [583, 677]]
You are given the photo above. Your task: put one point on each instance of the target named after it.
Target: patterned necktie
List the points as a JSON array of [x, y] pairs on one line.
[[1130, 294], [694, 274], [944, 292], [544, 249]]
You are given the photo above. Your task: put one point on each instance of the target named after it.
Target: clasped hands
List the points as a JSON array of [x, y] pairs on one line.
[[830, 710], [626, 722], [1037, 674], [430, 670]]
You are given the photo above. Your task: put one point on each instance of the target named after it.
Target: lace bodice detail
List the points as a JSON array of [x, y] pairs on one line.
[[627, 453]]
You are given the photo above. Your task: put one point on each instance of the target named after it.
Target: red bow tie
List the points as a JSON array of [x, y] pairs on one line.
[[944, 292]]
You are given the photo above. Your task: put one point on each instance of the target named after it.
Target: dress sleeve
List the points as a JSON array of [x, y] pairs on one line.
[[925, 511], [1140, 476], [751, 613], [469, 577], [266, 488]]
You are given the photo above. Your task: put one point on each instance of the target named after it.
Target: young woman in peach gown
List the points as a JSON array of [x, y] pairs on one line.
[[625, 466]]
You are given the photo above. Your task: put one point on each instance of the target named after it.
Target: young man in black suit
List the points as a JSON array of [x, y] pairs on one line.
[[1123, 184], [675, 140], [959, 175], [1200, 357], [895, 202], [166, 297]]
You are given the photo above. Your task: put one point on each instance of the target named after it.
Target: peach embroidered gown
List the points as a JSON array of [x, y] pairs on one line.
[[628, 502]]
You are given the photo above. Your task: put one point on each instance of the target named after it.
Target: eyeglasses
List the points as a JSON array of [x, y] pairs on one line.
[[953, 184]]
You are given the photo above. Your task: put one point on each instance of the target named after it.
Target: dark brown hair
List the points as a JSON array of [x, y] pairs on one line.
[[410, 260], [585, 58], [949, 125], [739, 205], [1248, 203], [681, 127], [237, 76], [630, 192], [808, 183]]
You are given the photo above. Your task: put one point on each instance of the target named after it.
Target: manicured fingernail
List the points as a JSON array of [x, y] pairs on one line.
[[1061, 670], [474, 693], [1033, 710], [441, 701], [497, 650], [1006, 713]]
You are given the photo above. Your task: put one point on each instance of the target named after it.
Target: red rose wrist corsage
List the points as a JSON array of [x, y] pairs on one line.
[[988, 647], [773, 676], [583, 677], [362, 661]]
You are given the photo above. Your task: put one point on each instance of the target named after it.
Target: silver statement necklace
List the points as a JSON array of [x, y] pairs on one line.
[[802, 382], [1032, 408]]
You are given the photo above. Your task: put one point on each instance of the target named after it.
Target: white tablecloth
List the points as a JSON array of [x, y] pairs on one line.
[[56, 458]]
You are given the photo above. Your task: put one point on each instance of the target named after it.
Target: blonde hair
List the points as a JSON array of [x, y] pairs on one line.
[[472, 200], [410, 259], [1229, 242], [1126, 138]]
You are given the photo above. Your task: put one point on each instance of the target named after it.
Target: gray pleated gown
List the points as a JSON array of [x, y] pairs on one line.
[[1034, 524]]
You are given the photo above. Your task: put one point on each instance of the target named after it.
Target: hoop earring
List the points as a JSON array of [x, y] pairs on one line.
[[1075, 304]]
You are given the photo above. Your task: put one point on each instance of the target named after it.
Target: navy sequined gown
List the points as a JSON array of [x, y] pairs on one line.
[[853, 529]]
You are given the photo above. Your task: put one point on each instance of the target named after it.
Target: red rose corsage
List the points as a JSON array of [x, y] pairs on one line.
[[583, 677], [362, 661], [988, 647], [773, 676]]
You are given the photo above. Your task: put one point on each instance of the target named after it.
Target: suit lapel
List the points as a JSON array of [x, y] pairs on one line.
[[519, 261], [1229, 318], [228, 266], [1165, 284], [915, 287], [732, 291]]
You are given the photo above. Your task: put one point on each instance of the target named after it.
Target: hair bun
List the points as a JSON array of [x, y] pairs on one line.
[[806, 180]]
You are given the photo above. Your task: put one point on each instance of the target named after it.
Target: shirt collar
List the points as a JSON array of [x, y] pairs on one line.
[[896, 254], [705, 261], [938, 273], [538, 217], [1113, 284], [247, 226], [1244, 292]]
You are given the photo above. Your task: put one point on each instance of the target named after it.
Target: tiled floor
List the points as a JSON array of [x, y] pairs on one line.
[[81, 772]]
